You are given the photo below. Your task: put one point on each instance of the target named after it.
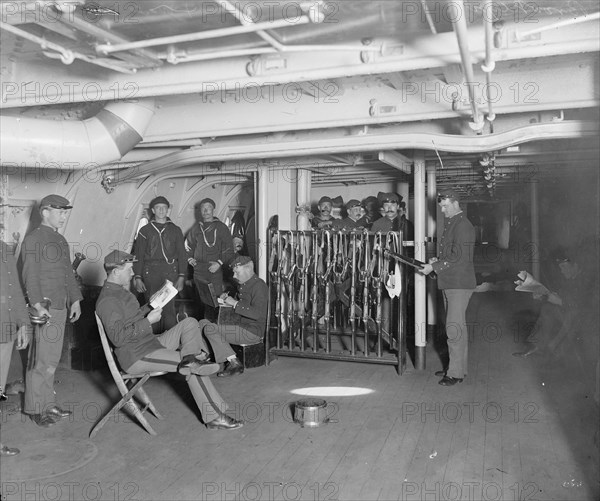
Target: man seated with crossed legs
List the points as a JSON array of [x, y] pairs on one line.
[[248, 322], [179, 349]]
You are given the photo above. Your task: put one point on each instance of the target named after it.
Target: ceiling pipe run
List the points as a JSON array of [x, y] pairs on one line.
[[71, 144], [331, 143], [459, 24]]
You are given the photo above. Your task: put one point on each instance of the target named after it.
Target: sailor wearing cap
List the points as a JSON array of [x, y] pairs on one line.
[[161, 256], [53, 291], [325, 219], [210, 247], [456, 279], [390, 203], [353, 220], [179, 349], [15, 319], [249, 320]]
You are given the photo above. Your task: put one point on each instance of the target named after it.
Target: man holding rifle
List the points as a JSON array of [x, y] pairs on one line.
[[456, 279]]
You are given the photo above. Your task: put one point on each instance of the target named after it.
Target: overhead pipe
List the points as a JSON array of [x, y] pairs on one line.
[[559, 24], [72, 144], [235, 12], [202, 35], [67, 56], [305, 145], [459, 24], [489, 64]]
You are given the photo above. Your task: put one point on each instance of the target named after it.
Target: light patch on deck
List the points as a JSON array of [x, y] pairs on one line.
[[332, 391]]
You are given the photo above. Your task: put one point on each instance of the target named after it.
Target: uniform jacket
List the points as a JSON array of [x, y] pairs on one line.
[[402, 224], [348, 223], [47, 269], [158, 242], [210, 242], [454, 267], [13, 311], [252, 307]]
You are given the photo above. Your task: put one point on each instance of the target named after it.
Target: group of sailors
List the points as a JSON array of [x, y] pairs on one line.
[[385, 212]]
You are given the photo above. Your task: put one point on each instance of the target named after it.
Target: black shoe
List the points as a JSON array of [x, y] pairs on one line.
[[224, 422], [232, 369], [9, 451], [450, 381], [56, 412], [198, 365], [43, 420], [440, 373]]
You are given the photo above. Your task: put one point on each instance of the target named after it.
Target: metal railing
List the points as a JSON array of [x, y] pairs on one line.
[[337, 295]]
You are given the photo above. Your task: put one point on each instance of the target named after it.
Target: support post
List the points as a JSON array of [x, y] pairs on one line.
[[420, 254], [431, 249], [535, 230], [303, 183], [262, 218]]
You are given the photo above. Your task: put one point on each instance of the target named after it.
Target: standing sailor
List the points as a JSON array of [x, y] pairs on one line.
[[161, 256], [210, 247], [456, 279], [15, 320], [53, 291]]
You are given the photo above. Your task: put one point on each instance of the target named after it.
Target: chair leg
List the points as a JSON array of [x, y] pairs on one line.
[[145, 399], [127, 401]]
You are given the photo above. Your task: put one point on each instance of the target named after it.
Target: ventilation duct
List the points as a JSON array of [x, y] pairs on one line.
[[104, 138]]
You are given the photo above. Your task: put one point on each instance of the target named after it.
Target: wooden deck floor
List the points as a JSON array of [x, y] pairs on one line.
[[514, 430]]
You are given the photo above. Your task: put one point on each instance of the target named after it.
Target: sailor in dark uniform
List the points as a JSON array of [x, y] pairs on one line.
[[353, 220], [324, 221], [161, 256], [210, 248], [53, 292]]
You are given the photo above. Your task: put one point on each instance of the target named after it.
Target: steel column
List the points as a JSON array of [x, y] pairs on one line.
[[420, 254]]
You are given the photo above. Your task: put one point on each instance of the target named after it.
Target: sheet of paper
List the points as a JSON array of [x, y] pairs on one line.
[[162, 296], [527, 283]]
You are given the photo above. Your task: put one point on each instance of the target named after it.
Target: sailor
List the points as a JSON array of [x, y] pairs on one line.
[[390, 203], [179, 349], [353, 219], [249, 321], [210, 247], [161, 256], [325, 219], [370, 210], [456, 279], [53, 292], [15, 319]]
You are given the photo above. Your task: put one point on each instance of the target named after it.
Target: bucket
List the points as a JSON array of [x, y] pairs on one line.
[[310, 412]]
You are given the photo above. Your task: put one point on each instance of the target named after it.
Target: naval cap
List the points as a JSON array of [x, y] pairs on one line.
[[55, 202], [118, 258], [159, 200], [388, 197], [207, 201], [240, 261], [448, 193]]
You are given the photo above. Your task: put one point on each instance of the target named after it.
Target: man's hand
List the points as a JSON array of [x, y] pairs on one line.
[[154, 316], [193, 262], [75, 312], [426, 269], [23, 337], [180, 283], [41, 310], [213, 266], [139, 285], [230, 301]]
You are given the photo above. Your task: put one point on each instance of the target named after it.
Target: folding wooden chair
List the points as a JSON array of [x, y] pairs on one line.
[[127, 391]]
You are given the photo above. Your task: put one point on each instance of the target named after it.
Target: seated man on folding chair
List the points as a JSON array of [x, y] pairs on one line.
[[248, 322], [179, 349]]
